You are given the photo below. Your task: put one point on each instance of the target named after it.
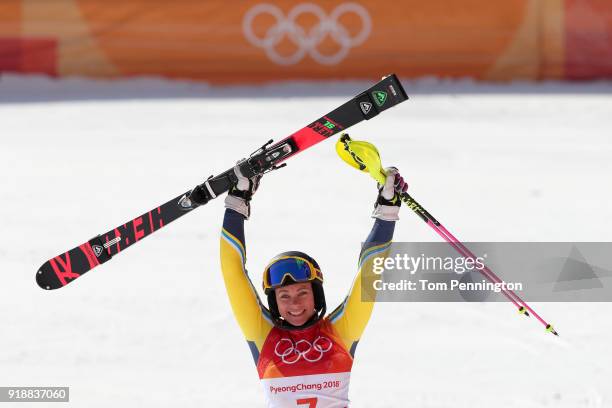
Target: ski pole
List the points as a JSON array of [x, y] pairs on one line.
[[365, 157], [523, 307]]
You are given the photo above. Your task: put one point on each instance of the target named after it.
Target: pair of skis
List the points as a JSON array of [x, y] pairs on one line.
[[70, 265]]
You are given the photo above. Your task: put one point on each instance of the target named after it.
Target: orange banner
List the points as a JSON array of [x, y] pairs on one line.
[[588, 38], [255, 41]]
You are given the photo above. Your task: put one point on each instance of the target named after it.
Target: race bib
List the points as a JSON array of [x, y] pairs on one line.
[[309, 391]]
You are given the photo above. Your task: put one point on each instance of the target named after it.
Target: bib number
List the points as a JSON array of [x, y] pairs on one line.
[[311, 402]]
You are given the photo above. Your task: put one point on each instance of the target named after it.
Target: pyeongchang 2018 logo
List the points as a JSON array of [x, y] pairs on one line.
[[307, 41]]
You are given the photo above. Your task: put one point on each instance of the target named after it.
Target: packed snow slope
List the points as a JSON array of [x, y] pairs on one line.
[[516, 162]]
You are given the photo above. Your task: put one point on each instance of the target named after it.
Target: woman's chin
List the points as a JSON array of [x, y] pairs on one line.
[[297, 320]]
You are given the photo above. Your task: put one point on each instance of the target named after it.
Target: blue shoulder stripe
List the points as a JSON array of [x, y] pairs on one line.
[[237, 245], [233, 241], [254, 351], [370, 252], [338, 312]]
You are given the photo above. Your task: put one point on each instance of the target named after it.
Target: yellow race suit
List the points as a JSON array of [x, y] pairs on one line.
[[310, 367]]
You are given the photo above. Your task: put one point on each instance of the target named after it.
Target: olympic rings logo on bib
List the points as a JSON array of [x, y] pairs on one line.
[[291, 352], [307, 42]]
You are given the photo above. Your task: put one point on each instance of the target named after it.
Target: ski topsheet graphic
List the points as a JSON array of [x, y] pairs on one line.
[[63, 269]]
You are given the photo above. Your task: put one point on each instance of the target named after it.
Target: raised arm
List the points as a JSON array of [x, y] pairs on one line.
[[351, 317], [252, 317]]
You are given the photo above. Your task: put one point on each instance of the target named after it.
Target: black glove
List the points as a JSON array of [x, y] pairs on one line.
[[240, 194], [388, 200]]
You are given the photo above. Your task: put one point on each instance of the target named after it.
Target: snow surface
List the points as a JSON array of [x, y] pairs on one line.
[[153, 328]]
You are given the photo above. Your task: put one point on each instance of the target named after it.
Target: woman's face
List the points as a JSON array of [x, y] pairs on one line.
[[296, 302]]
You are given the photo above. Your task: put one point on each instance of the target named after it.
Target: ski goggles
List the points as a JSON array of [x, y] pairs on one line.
[[298, 269]]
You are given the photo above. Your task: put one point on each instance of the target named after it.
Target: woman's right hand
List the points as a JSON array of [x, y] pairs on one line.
[[388, 200], [240, 194]]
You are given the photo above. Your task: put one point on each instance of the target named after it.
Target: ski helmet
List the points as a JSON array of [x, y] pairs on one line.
[[288, 268]]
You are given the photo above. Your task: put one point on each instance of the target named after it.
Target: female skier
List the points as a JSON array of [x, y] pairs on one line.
[[303, 357]]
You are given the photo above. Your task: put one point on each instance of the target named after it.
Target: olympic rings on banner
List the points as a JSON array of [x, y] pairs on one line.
[[307, 42]]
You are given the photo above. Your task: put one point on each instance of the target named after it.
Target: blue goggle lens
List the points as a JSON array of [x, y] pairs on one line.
[[297, 269]]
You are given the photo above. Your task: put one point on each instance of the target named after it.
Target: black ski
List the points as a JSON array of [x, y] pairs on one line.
[[63, 269]]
